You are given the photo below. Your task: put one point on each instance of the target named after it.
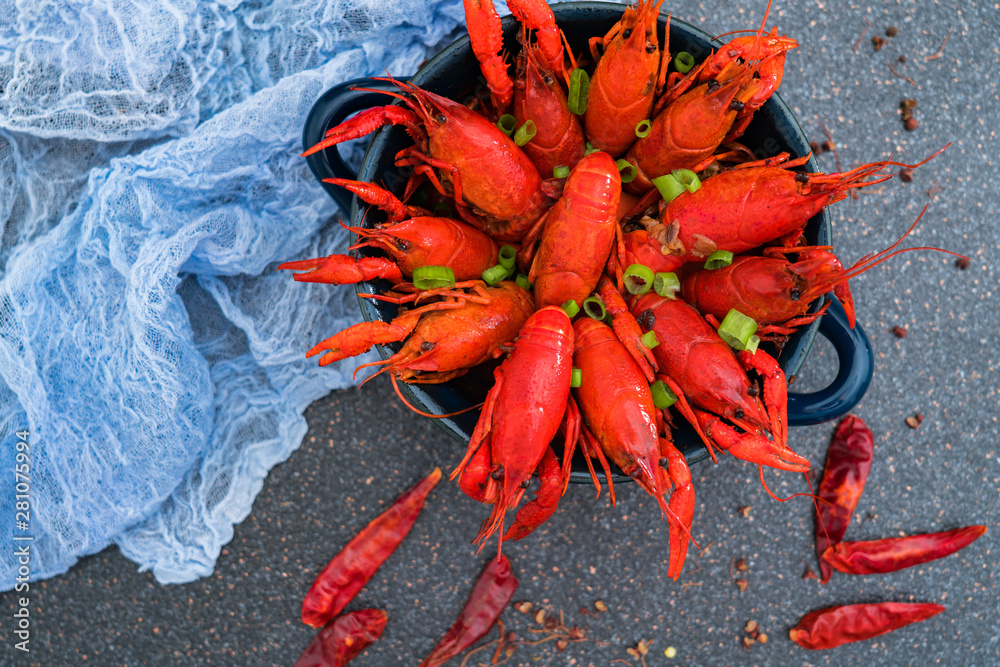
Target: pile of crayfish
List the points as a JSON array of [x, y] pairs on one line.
[[615, 182]]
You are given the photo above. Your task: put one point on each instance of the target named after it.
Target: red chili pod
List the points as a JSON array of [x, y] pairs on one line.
[[897, 553], [351, 569], [493, 590], [345, 638], [827, 628], [847, 463]]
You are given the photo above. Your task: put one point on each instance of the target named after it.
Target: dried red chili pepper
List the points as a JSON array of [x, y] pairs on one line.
[[351, 569], [896, 553], [827, 628], [341, 641], [489, 597], [847, 463]]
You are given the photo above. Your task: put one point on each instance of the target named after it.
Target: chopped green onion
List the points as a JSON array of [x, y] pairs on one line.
[[737, 329], [752, 344], [495, 274], [650, 340], [719, 259], [579, 84], [430, 277], [562, 171], [571, 308], [590, 149], [669, 187], [593, 305], [643, 129], [683, 62], [666, 285], [522, 281], [525, 133], [577, 378], [687, 178], [638, 279], [663, 398], [507, 124], [507, 256], [628, 170]]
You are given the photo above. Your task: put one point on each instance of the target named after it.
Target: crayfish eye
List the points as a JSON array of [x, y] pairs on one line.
[[713, 85], [739, 413], [795, 294], [650, 47], [627, 33], [427, 346], [497, 473], [525, 483], [647, 319], [752, 390], [664, 462], [440, 119], [802, 178]]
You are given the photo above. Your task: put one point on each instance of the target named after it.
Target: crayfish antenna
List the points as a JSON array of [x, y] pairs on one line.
[[402, 398]]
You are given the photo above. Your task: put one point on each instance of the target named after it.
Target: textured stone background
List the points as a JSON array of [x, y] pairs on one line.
[[363, 447]]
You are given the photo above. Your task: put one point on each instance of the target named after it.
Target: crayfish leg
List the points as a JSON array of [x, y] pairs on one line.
[[361, 337], [750, 446], [485, 423], [681, 506], [688, 413], [775, 391]]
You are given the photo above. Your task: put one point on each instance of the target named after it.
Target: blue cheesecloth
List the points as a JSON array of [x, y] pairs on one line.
[[150, 183]]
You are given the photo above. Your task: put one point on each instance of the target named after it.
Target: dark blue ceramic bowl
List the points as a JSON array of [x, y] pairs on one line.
[[455, 73]]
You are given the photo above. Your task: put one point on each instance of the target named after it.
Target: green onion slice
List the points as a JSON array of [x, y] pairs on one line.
[[495, 274], [507, 124], [663, 398], [431, 277], [590, 149], [666, 285], [525, 133], [687, 178], [669, 187], [571, 308], [562, 171], [577, 378], [522, 281], [752, 344], [579, 84], [737, 329], [593, 305], [683, 62], [650, 340], [628, 170], [638, 279], [643, 129], [718, 260], [507, 256]]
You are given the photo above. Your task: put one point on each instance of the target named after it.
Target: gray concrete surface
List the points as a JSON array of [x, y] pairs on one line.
[[363, 447]]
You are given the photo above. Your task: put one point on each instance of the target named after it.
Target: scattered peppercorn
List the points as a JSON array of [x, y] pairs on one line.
[[915, 420], [906, 175], [902, 59], [911, 124], [750, 626], [815, 148], [908, 104], [878, 42], [748, 642], [809, 574], [741, 565], [891, 31], [600, 606], [742, 584], [540, 616], [962, 263], [900, 332], [745, 511], [523, 607], [828, 145], [762, 638]]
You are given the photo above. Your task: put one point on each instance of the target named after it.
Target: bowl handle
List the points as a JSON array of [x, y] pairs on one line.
[[857, 364], [331, 110]]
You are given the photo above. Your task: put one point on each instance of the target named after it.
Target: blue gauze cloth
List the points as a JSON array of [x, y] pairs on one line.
[[151, 183]]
